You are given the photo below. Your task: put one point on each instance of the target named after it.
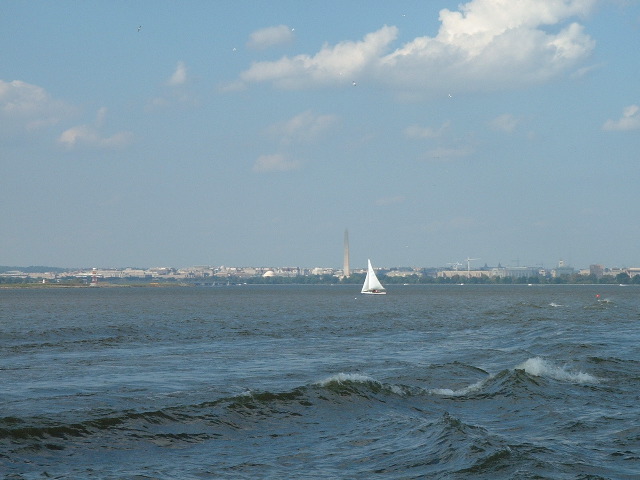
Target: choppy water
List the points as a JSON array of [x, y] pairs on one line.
[[245, 382]]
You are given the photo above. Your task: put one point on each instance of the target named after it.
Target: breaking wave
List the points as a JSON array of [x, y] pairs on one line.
[[540, 367]]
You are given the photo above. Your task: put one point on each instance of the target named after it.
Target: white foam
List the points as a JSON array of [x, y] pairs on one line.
[[398, 390], [447, 392], [540, 367], [347, 377]]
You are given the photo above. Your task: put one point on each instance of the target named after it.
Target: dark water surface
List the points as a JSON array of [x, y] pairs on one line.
[[245, 382]]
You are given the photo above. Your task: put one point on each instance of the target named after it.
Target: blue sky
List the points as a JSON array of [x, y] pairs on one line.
[[253, 132]]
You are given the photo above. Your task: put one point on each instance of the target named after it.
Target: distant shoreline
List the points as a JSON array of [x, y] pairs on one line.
[[44, 286], [56, 286]]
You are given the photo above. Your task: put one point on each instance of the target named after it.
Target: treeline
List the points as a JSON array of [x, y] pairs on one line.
[[32, 269]]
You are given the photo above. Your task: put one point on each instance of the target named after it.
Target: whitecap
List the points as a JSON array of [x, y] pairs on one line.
[[346, 377], [539, 367], [447, 392]]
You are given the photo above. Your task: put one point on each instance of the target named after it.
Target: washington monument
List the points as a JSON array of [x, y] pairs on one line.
[[345, 268]]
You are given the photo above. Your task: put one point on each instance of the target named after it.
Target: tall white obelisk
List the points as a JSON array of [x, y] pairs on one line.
[[345, 268]]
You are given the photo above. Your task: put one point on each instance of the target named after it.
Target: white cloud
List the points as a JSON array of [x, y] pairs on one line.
[[505, 123], [29, 107], [270, 37], [90, 136], [630, 120], [86, 135], [305, 127], [487, 44], [331, 65], [179, 76], [274, 163], [416, 131], [178, 93]]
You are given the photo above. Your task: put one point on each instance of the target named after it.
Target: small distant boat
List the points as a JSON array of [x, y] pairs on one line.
[[372, 285]]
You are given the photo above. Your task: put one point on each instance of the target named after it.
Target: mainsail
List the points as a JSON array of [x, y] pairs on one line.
[[371, 283]]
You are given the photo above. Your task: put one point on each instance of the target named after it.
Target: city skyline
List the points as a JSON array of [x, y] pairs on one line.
[[255, 133], [468, 265], [222, 275]]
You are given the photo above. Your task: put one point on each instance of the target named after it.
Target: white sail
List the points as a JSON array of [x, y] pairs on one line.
[[371, 284]]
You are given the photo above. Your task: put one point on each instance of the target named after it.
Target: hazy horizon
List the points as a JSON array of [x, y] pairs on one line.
[[462, 266], [253, 133]]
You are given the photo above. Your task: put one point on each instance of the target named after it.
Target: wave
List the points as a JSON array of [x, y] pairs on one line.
[[318, 400], [540, 367], [509, 381], [341, 378], [336, 422], [352, 382], [473, 388]]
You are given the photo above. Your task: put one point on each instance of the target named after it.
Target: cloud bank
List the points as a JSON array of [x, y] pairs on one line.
[[485, 45]]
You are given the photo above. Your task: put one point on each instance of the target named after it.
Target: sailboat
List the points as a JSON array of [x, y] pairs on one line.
[[372, 285]]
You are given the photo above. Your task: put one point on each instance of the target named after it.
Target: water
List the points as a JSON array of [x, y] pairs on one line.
[[315, 382]]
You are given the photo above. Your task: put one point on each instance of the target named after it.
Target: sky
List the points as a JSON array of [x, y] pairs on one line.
[[253, 133]]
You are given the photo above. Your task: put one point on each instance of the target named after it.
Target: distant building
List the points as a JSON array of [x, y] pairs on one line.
[[596, 270], [562, 269], [515, 272], [633, 271], [461, 273]]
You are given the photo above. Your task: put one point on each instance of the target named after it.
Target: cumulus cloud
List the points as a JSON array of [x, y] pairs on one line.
[[630, 120], [270, 37], [486, 44], [304, 127], [90, 136], [24, 106], [330, 66], [179, 75], [504, 123], [277, 162]]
